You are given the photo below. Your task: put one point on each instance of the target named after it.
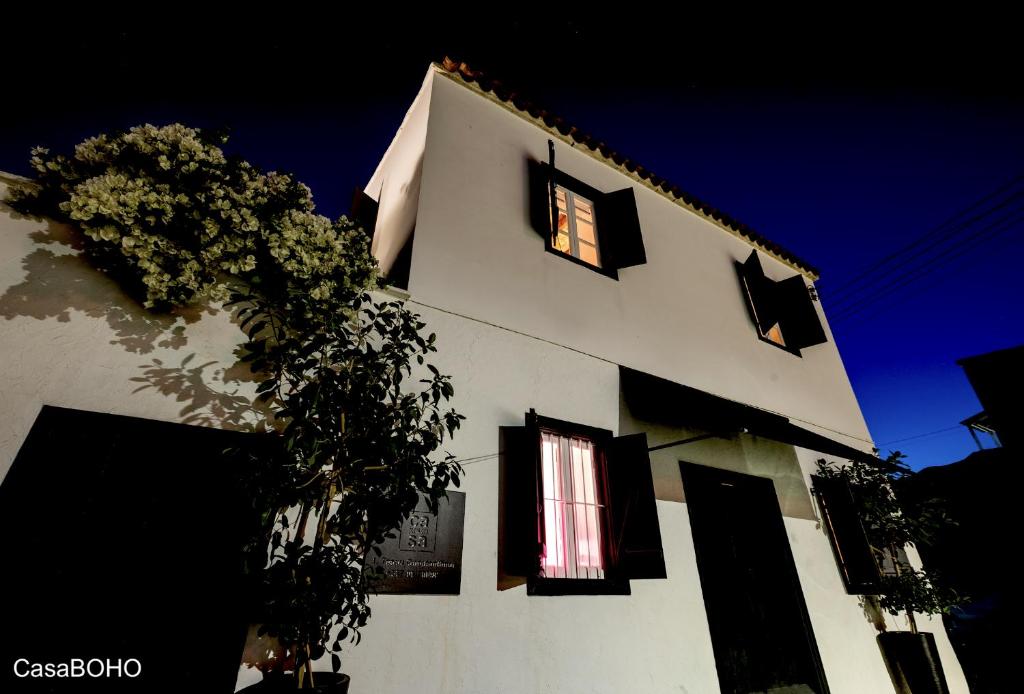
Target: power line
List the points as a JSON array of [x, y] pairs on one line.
[[948, 255], [904, 296], [920, 436], [871, 271]]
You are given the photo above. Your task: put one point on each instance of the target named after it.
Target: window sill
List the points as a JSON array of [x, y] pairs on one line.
[[577, 586], [790, 350], [397, 292], [607, 272]]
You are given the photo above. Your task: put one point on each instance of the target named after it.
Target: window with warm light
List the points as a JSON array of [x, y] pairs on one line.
[[773, 332], [574, 512], [577, 509], [577, 231], [782, 310], [599, 230]]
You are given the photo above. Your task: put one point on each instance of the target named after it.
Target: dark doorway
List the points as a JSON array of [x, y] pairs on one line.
[[760, 632], [121, 539]]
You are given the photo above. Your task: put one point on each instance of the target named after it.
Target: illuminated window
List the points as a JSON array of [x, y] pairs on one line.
[[782, 310], [578, 511], [577, 233], [574, 511], [773, 332]]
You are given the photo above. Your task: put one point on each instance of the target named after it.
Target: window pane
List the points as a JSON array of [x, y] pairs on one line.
[[775, 335], [588, 254], [585, 230], [562, 243], [572, 514]]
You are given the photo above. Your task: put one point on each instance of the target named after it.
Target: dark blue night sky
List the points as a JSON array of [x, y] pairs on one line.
[[841, 153]]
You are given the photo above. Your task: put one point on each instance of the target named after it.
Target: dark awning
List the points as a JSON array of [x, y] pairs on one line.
[[665, 402]]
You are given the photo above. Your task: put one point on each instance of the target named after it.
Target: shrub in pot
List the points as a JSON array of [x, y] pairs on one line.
[[911, 656]]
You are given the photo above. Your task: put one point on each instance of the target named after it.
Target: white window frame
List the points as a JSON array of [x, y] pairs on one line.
[[572, 524], [574, 241]]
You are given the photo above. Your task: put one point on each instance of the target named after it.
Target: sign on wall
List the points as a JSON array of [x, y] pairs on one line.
[[425, 556]]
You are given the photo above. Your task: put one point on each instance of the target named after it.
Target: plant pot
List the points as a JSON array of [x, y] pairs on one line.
[[913, 662], [326, 683]]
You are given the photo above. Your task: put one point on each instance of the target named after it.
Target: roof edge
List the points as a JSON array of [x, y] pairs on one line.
[[494, 91]]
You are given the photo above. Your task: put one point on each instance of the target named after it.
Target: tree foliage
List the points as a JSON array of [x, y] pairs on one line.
[[358, 410], [891, 527]]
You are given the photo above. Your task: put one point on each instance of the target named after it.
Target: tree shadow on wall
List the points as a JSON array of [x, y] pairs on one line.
[[60, 281], [203, 404]]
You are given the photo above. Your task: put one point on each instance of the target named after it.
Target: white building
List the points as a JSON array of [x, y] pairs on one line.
[[648, 330], [646, 314]]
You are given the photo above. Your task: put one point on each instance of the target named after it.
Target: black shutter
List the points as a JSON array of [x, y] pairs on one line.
[[540, 198], [636, 534], [849, 542], [760, 292], [801, 326], [364, 211], [618, 226], [520, 516]]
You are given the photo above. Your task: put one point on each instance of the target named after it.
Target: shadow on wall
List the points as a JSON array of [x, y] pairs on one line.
[[204, 405], [60, 282]]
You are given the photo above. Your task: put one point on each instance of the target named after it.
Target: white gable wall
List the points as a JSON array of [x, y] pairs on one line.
[[521, 328], [681, 316]]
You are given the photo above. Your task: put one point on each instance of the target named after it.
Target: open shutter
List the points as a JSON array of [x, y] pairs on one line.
[[540, 198], [849, 542], [636, 534], [800, 323], [618, 226], [761, 294], [521, 522]]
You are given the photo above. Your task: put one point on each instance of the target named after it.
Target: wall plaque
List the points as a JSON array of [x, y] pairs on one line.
[[425, 556]]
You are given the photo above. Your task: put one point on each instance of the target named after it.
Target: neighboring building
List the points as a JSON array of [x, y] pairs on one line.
[[998, 380], [647, 391], [979, 493]]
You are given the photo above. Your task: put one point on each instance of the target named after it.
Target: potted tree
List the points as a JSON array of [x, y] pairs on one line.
[[355, 412], [911, 656]]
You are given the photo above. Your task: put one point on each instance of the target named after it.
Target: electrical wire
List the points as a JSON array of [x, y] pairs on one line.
[[1006, 223], [920, 436], [872, 271]]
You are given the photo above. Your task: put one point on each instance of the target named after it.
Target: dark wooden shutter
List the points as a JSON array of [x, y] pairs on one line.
[[521, 515], [801, 326], [760, 292], [849, 541], [364, 211], [636, 534], [618, 228], [540, 198]]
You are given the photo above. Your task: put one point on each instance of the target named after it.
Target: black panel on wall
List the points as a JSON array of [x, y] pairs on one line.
[[121, 539]]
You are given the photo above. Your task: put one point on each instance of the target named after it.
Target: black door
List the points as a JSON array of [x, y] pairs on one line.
[[121, 542], [760, 633]]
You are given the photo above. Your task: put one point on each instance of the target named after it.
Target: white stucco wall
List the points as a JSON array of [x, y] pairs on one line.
[[70, 337], [395, 185], [521, 328], [680, 316]]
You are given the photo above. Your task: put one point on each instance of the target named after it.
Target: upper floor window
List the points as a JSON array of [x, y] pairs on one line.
[[782, 311], [577, 231], [771, 332], [597, 230]]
